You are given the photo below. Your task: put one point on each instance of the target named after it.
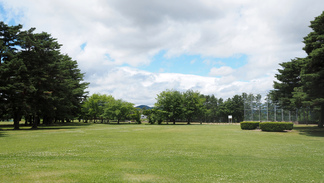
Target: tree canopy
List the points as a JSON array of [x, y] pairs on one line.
[[193, 106], [36, 79]]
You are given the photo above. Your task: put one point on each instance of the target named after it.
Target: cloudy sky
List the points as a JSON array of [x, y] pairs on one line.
[[135, 49]]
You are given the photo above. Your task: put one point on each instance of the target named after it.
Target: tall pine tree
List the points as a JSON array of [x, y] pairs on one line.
[[312, 74], [301, 81], [36, 79]]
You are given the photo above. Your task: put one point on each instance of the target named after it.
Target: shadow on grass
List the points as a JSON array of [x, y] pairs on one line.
[[70, 124], [176, 124], [2, 134], [121, 123], [310, 131], [54, 126]]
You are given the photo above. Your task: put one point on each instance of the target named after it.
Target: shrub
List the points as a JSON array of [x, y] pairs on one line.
[[249, 125], [276, 126], [151, 119]]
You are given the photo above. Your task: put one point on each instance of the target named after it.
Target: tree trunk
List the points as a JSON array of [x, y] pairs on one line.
[[45, 120], [17, 119], [321, 121], [118, 121], [26, 120], [36, 121]]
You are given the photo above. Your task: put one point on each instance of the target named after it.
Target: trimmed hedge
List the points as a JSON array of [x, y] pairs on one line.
[[276, 126], [249, 125]]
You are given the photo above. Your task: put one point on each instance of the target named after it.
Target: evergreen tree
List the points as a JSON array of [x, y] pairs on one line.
[[301, 81], [36, 79], [312, 73], [13, 74], [289, 79]]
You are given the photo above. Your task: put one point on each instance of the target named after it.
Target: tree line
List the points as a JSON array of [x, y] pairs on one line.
[[37, 81], [171, 106], [191, 106], [102, 108]]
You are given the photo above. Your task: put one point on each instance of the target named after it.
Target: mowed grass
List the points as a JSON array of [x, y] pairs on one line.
[[160, 153]]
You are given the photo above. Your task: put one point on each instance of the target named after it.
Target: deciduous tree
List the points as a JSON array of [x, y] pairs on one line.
[[192, 105], [170, 101]]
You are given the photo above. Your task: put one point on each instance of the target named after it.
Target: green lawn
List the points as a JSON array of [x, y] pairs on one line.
[[160, 153]]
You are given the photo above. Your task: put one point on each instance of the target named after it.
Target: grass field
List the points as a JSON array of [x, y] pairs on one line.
[[79, 152]]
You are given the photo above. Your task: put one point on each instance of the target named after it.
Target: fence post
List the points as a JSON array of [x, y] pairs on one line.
[[275, 113], [282, 114], [289, 117]]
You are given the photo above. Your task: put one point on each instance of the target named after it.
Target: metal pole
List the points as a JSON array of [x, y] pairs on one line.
[[244, 112], [275, 113], [282, 114], [251, 110], [289, 116], [268, 110], [260, 113]]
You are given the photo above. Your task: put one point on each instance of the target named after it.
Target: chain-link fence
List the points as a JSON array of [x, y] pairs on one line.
[[268, 111]]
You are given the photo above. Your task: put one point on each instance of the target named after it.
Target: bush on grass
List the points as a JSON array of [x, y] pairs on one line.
[[249, 125], [276, 126]]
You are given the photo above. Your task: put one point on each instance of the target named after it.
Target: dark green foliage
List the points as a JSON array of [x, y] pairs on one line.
[[36, 79], [171, 102], [211, 108], [137, 116], [235, 107], [192, 105], [301, 81], [150, 115], [249, 125], [93, 107], [155, 115], [289, 78], [276, 126], [118, 109], [151, 120]]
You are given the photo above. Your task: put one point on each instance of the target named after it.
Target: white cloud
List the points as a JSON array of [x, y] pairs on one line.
[[141, 87], [132, 32], [222, 71]]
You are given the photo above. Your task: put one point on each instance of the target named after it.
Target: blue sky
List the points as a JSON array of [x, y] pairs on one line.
[[191, 64], [135, 49], [7, 17]]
